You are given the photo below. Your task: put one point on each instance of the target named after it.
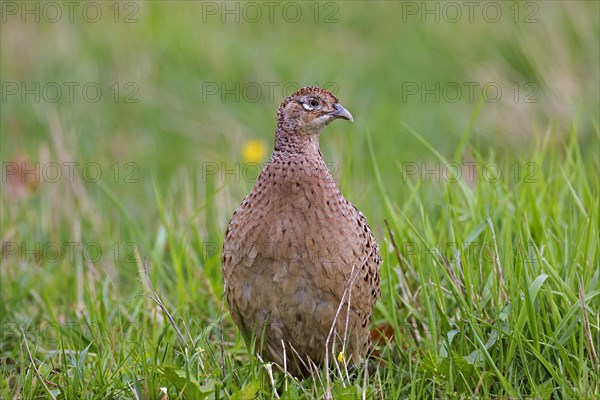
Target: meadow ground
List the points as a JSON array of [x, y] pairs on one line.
[[131, 131]]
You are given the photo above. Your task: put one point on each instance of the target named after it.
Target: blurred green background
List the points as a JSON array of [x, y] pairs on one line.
[[374, 55]]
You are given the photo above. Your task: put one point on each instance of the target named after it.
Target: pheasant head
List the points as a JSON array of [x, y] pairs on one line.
[[308, 111]]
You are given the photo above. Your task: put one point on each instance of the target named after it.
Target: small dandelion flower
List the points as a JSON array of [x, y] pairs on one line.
[[254, 151], [341, 357]]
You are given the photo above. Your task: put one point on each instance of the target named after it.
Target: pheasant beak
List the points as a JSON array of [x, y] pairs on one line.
[[341, 112]]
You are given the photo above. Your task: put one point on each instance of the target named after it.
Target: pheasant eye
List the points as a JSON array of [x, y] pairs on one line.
[[313, 102]]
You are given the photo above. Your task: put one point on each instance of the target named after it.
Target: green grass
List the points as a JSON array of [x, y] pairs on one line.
[[111, 288]]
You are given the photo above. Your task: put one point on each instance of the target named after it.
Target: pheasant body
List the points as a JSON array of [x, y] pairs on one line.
[[297, 256]]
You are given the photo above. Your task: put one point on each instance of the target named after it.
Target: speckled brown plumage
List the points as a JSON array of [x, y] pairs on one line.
[[296, 251]]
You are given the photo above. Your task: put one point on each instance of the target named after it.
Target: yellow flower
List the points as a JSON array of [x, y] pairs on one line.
[[341, 357], [254, 151]]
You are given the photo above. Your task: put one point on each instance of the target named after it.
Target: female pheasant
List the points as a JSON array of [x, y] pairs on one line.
[[300, 263]]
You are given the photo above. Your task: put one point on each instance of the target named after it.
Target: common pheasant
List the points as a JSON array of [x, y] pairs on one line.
[[297, 256]]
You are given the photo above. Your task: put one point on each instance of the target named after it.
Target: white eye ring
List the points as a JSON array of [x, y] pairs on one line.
[[310, 104]]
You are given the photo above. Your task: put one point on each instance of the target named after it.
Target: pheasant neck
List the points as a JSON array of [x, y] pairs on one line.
[[295, 143]]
